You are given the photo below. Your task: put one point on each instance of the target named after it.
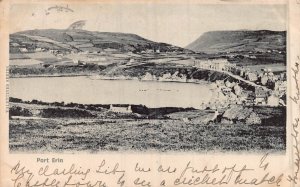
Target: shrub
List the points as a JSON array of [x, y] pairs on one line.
[[65, 113], [19, 111]]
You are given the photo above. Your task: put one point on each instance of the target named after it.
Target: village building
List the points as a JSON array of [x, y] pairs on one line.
[[237, 89], [282, 76], [252, 76], [250, 100], [166, 76], [38, 49], [243, 96], [120, 109], [232, 97], [147, 77], [149, 51], [215, 116], [242, 72], [81, 63], [280, 86], [131, 60], [219, 82], [226, 91], [75, 61], [213, 64], [261, 96], [14, 44], [271, 84], [264, 79], [175, 75], [230, 84], [24, 50], [273, 100]]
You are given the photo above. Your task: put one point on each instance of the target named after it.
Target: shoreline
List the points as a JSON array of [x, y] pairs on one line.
[[112, 79]]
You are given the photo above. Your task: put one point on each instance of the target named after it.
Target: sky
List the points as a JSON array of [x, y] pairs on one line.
[[177, 24]]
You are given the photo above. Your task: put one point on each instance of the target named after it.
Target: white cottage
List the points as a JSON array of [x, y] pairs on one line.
[[121, 109]]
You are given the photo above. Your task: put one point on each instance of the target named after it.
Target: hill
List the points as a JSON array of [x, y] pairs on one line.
[[239, 41], [83, 40]]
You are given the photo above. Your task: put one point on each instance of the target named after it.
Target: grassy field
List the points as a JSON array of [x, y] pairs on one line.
[[274, 67], [95, 135], [98, 129]]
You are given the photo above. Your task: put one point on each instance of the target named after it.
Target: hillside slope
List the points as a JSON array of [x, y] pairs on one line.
[[243, 40], [82, 40]]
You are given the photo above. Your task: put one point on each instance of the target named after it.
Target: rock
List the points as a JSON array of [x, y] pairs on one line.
[[237, 112], [253, 119], [240, 113]]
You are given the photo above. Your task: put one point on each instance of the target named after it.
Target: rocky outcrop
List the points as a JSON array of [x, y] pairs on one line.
[[238, 113]]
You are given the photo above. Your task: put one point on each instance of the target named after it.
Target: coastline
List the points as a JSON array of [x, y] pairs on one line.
[[99, 77]]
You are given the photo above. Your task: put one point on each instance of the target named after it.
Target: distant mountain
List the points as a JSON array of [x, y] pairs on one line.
[[237, 41], [83, 40]]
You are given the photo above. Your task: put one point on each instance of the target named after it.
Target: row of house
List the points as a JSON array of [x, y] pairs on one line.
[[214, 64], [26, 50], [232, 93], [265, 78], [165, 77]]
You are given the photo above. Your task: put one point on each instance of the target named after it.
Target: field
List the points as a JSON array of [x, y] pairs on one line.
[[67, 135], [102, 130], [273, 67]]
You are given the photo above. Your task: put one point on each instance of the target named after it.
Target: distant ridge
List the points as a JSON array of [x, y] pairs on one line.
[[83, 40], [239, 40], [77, 25]]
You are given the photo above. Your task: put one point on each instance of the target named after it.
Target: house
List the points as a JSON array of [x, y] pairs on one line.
[[23, 49], [214, 117], [186, 120], [121, 109], [229, 84], [226, 90], [166, 76], [243, 95], [15, 44], [38, 49], [264, 79], [273, 100], [282, 76], [75, 61], [252, 76], [261, 96], [131, 60], [280, 86], [220, 82], [147, 77], [81, 63], [271, 84], [250, 100], [149, 51], [237, 89], [242, 72]]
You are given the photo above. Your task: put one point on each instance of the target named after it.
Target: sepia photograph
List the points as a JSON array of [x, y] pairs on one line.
[[138, 77]]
